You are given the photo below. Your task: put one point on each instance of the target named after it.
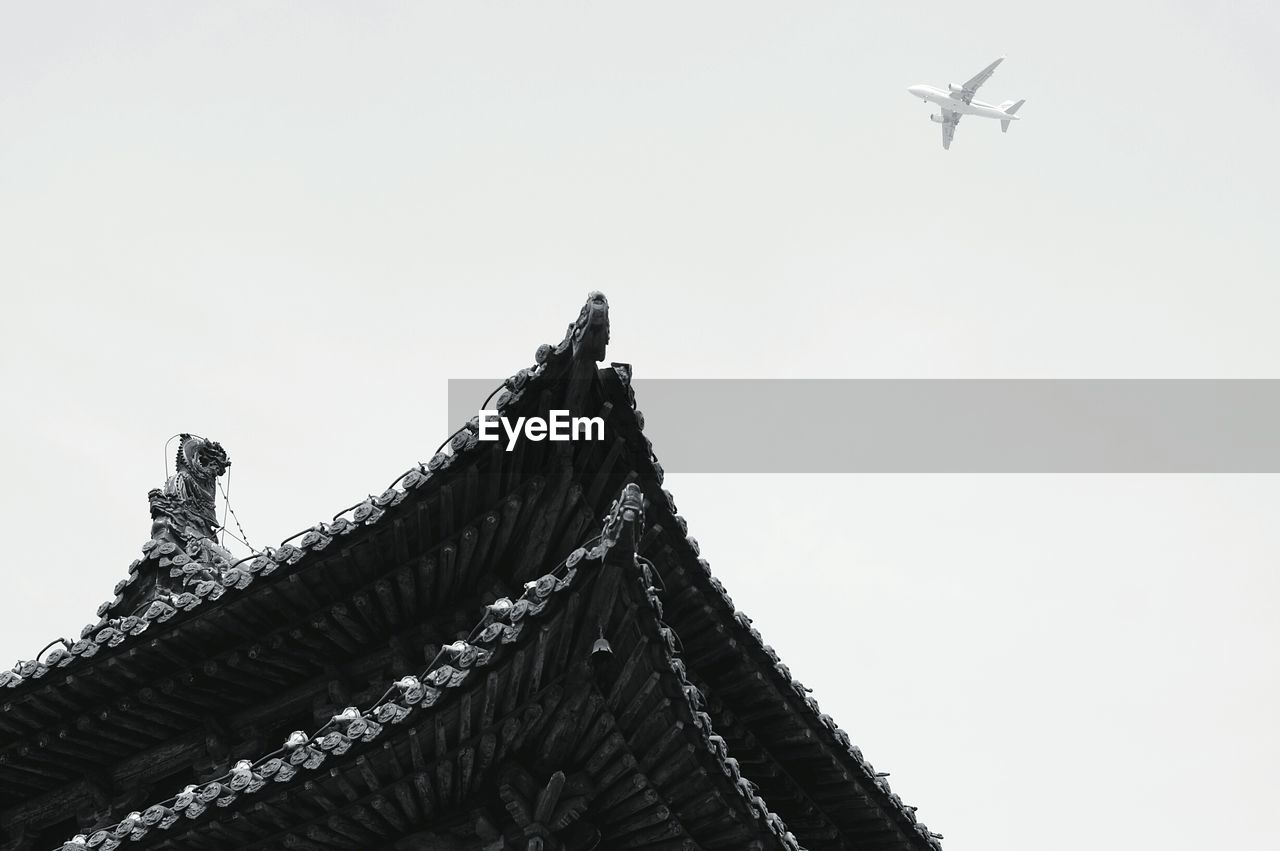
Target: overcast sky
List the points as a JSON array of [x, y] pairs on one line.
[[287, 225]]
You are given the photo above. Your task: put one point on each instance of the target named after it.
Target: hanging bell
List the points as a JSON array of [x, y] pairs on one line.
[[600, 651]]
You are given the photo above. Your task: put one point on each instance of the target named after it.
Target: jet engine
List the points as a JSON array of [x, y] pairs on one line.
[[936, 119], [955, 90]]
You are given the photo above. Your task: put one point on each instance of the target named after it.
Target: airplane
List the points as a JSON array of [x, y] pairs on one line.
[[958, 100]]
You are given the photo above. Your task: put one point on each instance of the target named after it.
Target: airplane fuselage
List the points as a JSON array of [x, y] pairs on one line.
[[948, 101]]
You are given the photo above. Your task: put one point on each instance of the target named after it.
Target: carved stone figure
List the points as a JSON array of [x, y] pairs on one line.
[[185, 510], [590, 333], [184, 520], [588, 336], [624, 524]]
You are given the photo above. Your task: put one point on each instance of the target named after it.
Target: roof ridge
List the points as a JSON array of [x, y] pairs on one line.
[[695, 703], [502, 623], [744, 622], [587, 336], [806, 698]]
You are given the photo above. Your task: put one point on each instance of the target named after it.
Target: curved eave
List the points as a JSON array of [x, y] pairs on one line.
[[892, 824], [610, 728]]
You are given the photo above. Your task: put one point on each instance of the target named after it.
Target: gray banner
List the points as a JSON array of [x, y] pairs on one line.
[[950, 426]]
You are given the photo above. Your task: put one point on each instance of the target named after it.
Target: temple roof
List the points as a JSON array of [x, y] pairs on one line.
[[507, 630], [767, 735]]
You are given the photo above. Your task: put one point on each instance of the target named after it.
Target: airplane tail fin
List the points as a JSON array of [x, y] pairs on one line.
[[1009, 107]]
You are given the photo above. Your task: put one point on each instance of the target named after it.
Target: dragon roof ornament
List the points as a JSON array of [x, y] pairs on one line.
[[624, 524], [590, 332], [184, 521], [185, 507]]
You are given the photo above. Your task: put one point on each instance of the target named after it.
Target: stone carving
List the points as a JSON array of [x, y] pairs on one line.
[[624, 524], [590, 333], [184, 519], [587, 339], [184, 509], [574, 358]]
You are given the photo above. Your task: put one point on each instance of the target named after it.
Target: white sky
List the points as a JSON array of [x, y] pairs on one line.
[[285, 226]]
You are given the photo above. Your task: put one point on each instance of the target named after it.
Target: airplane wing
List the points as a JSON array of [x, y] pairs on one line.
[[949, 121], [971, 86]]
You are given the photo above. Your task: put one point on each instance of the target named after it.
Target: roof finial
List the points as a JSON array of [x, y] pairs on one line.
[[590, 333], [183, 522], [624, 524], [184, 509]]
